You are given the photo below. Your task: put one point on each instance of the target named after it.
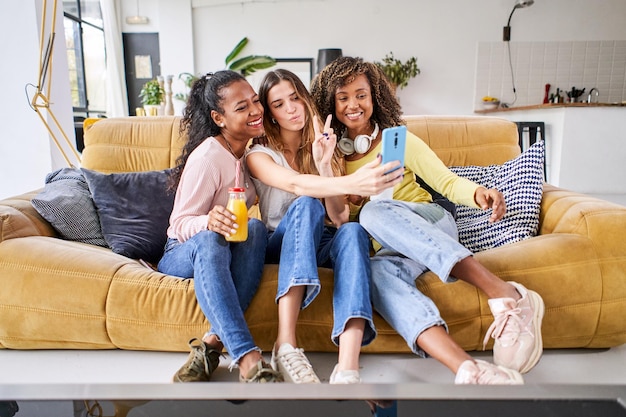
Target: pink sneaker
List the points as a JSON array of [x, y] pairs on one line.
[[517, 330], [485, 373]]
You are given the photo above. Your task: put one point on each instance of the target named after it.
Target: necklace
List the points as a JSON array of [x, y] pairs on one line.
[[230, 148], [239, 165]]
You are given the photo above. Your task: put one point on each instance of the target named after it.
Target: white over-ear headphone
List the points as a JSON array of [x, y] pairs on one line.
[[361, 144]]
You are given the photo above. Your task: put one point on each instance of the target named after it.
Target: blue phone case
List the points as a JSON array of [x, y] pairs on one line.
[[394, 141]]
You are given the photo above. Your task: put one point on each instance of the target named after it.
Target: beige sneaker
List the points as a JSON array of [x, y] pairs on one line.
[[517, 330], [344, 377], [201, 363], [293, 365], [484, 373]]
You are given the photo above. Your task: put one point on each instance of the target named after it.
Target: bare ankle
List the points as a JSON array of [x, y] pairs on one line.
[[248, 361]]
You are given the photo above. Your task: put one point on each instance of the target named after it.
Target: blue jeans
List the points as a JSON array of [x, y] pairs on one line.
[[226, 277], [415, 237], [301, 243]]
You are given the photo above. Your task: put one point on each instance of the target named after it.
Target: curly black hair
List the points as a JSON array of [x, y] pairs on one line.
[[197, 123], [344, 70]]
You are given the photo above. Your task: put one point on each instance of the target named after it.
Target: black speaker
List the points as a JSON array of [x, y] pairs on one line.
[[326, 56]]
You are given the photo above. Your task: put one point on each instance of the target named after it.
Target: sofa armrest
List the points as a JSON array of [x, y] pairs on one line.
[[604, 223], [18, 218]]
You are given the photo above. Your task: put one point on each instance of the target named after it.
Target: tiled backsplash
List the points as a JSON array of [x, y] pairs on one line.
[[580, 64]]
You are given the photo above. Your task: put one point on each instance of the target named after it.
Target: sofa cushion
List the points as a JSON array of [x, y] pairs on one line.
[[521, 182], [66, 204], [134, 210]]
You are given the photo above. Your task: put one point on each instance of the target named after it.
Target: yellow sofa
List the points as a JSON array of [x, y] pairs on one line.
[[58, 294]]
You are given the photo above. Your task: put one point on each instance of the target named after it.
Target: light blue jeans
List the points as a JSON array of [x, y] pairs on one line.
[[415, 237], [226, 277], [301, 243]]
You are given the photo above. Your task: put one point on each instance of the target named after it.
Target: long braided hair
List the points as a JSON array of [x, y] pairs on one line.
[[197, 123], [344, 70], [272, 129]]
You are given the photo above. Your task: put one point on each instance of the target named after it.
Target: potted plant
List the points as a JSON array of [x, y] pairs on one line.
[[245, 65], [152, 95], [397, 72]]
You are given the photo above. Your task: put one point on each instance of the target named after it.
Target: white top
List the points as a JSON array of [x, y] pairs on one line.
[[273, 202]]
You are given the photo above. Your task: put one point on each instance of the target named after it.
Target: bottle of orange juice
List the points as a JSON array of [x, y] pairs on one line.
[[237, 206]]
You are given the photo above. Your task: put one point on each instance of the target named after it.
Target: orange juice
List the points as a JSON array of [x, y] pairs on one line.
[[237, 206]]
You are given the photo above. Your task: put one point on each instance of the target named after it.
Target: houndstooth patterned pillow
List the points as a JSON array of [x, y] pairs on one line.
[[521, 182]]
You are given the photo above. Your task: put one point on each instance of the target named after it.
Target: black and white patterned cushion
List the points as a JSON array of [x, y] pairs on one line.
[[521, 182], [66, 204]]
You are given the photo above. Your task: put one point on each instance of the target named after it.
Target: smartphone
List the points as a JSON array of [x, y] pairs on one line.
[[394, 141]]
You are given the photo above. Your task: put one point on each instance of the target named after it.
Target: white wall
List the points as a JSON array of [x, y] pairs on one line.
[[196, 35], [172, 20], [563, 65], [442, 34], [24, 148]]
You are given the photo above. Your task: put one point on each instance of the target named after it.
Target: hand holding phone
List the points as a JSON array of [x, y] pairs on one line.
[[393, 145], [394, 142]]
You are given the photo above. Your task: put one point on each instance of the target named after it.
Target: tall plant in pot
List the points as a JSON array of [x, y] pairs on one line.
[[399, 73], [245, 65], [152, 95]]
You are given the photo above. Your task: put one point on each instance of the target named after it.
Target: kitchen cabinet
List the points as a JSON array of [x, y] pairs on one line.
[[585, 144]]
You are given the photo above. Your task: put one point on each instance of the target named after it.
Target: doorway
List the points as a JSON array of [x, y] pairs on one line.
[[142, 63]]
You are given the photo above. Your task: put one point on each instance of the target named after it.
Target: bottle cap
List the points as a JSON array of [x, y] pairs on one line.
[[236, 190]]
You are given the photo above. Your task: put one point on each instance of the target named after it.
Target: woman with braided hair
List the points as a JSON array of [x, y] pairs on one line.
[[417, 235], [222, 114]]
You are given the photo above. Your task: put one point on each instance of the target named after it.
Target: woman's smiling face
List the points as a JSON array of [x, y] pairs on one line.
[[354, 106], [243, 112]]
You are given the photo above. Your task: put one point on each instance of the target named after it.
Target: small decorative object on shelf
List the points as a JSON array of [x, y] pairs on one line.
[[490, 103], [169, 105]]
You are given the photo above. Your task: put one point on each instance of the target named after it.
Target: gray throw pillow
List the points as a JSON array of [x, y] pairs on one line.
[[66, 204], [134, 210]]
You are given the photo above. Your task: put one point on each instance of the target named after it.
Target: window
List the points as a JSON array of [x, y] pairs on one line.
[[84, 38]]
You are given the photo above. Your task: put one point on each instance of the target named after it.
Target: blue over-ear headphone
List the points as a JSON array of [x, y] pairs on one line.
[[361, 144]]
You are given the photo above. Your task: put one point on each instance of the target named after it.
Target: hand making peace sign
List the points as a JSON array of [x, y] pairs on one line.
[[324, 143]]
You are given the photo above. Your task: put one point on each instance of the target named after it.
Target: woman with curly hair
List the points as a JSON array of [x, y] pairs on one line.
[[417, 235], [299, 167], [222, 114]]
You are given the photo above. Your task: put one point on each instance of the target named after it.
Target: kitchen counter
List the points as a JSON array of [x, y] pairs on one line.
[[585, 143], [549, 106]]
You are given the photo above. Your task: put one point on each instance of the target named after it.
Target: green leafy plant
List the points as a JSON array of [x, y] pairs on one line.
[[397, 72], [245, 65], [152, 93], [188, 79]]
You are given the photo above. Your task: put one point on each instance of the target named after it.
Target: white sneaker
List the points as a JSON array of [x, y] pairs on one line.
[[344, 377], [516, 329], [293, 364], [485, 373]]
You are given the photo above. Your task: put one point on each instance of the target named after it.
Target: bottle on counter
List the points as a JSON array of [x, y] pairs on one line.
[[558, 97]]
